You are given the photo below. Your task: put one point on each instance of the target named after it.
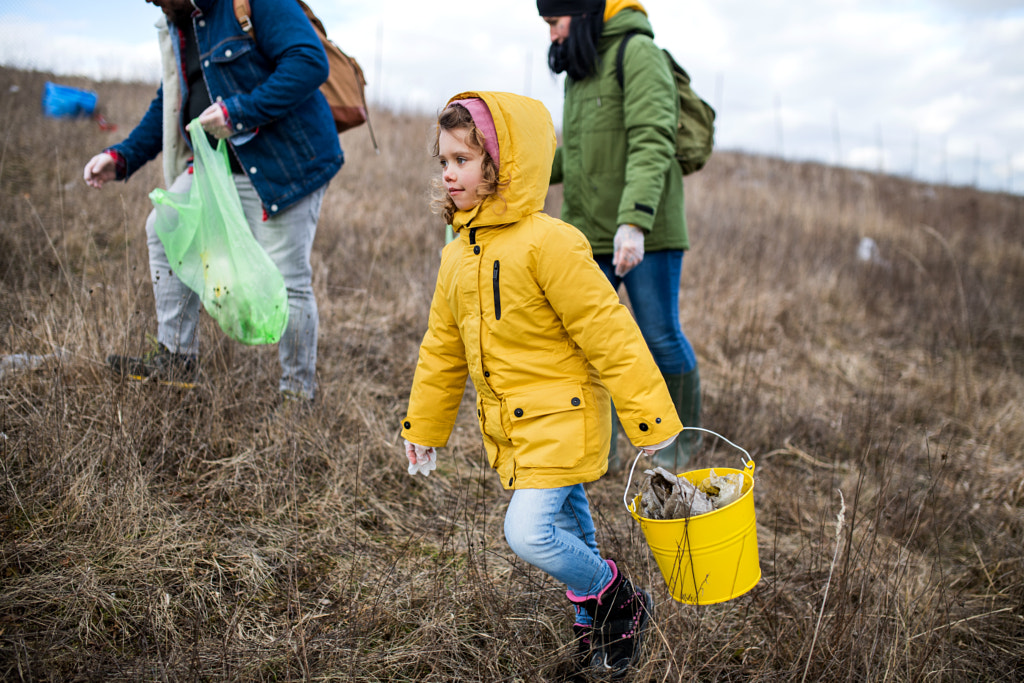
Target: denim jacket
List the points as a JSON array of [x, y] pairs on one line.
[[285, 137]]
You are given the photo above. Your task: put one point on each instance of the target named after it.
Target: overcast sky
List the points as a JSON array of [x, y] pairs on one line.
[[928, 88]]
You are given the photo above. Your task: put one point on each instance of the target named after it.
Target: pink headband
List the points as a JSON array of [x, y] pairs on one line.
[[484, 122]]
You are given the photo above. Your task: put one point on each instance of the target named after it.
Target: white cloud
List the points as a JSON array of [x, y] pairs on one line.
[[932, 87], [37, 45]]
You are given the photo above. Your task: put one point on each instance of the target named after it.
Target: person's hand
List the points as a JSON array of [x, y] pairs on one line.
[[651, 450], [213, 122], [100, 169], [422, 459], [629, 248]]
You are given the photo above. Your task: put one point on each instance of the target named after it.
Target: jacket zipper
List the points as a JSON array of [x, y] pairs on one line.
[[497, 290]]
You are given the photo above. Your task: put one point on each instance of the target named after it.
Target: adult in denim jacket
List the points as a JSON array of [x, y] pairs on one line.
[[262, 94]]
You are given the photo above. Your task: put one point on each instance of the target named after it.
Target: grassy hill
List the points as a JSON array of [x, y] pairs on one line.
[[152, 533]]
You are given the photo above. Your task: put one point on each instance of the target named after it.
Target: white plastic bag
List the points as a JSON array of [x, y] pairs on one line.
[[729, 486]]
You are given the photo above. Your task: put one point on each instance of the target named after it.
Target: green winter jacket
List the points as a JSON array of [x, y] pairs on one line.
[[617, 159]]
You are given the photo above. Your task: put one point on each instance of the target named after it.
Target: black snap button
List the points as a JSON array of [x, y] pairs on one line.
[[657, 420], [478, 413], [510, 481], [575, 401], [643, 427], [406, 424], [476, 250], [519, 412], [486, 374]]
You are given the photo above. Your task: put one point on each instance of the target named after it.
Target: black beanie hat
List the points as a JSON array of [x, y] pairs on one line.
[[570, 8]]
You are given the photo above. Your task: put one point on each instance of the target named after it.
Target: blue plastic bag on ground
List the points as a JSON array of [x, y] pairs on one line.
[[213, 252], [63, 101]]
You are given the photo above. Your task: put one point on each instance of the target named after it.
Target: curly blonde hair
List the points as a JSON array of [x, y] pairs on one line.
[[457, 117]]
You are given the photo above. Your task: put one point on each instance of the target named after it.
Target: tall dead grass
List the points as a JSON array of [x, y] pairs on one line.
[[152, 533]]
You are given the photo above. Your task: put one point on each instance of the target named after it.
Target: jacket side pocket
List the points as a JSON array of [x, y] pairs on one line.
[[548, 425]]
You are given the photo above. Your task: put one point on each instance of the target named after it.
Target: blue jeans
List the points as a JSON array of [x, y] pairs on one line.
[[552, 529], [653, 289], [288, 239]]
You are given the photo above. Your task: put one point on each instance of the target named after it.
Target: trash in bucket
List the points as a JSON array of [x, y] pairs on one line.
[[665, 496], [711, 557], [63, 101]]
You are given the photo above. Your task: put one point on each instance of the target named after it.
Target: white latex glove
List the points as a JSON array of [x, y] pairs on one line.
[[99, 170], [213, 122], [651, 450], [629, 248], [422, 459]]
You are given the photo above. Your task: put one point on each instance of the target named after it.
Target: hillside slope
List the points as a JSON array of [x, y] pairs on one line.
[[157, 533]]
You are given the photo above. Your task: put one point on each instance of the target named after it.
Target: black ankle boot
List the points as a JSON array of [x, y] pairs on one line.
[[621, 613], [159, 364], [586, 657]]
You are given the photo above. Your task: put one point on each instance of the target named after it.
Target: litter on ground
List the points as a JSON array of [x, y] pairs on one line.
[[20, 362]]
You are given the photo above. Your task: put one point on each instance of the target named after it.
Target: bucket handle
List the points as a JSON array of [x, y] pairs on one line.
[[748, 462]]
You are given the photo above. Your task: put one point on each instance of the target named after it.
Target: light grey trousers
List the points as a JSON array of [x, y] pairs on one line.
[[288, 240]]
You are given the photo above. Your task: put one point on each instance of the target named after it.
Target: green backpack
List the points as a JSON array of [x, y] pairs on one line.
[[695, 130]]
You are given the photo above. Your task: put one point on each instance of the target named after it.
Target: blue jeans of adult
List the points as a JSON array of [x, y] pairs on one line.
[[553, 530], [288, 239], [653, 289]]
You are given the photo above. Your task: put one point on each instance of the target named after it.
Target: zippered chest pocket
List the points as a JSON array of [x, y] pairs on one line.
[[496, 285]]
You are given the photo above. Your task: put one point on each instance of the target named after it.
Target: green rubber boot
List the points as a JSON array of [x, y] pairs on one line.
[[614, 462], [685, 391]]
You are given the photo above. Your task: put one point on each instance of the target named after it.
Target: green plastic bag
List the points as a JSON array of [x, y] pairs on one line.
[[211, 249]]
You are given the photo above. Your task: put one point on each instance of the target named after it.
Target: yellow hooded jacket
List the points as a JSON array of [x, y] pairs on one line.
[[521, 307]]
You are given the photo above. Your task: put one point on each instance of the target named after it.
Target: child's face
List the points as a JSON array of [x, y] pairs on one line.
[[462, 167]]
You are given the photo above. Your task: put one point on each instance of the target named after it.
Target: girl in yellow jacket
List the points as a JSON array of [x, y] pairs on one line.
[[521, 307]]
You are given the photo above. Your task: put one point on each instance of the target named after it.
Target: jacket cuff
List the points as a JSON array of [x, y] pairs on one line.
[[227, 114], [426, 432], [651, 430], [120, 164], [640, 215]]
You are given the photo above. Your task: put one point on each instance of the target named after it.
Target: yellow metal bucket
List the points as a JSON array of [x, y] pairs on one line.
[[707, 558]]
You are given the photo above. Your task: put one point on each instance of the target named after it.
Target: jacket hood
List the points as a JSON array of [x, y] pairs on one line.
[[526, 143], [613, 7], [630, 18]]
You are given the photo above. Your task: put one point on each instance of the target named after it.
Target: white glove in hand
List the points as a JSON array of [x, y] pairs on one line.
[[422, 459], [629, 248], [650, 450]]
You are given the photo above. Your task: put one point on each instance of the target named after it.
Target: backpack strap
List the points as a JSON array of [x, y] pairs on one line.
[[244, 15], [618, 58]]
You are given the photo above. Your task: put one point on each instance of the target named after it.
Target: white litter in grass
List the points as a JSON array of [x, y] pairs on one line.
[[868, 252], [21, 362]]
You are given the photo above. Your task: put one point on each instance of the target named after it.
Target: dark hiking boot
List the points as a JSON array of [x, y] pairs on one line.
[[614, 461], [159, 365], [621, 613], [584, 657]]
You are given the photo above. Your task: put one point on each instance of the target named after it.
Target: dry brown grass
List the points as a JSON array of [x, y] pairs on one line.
[[156, 534]]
